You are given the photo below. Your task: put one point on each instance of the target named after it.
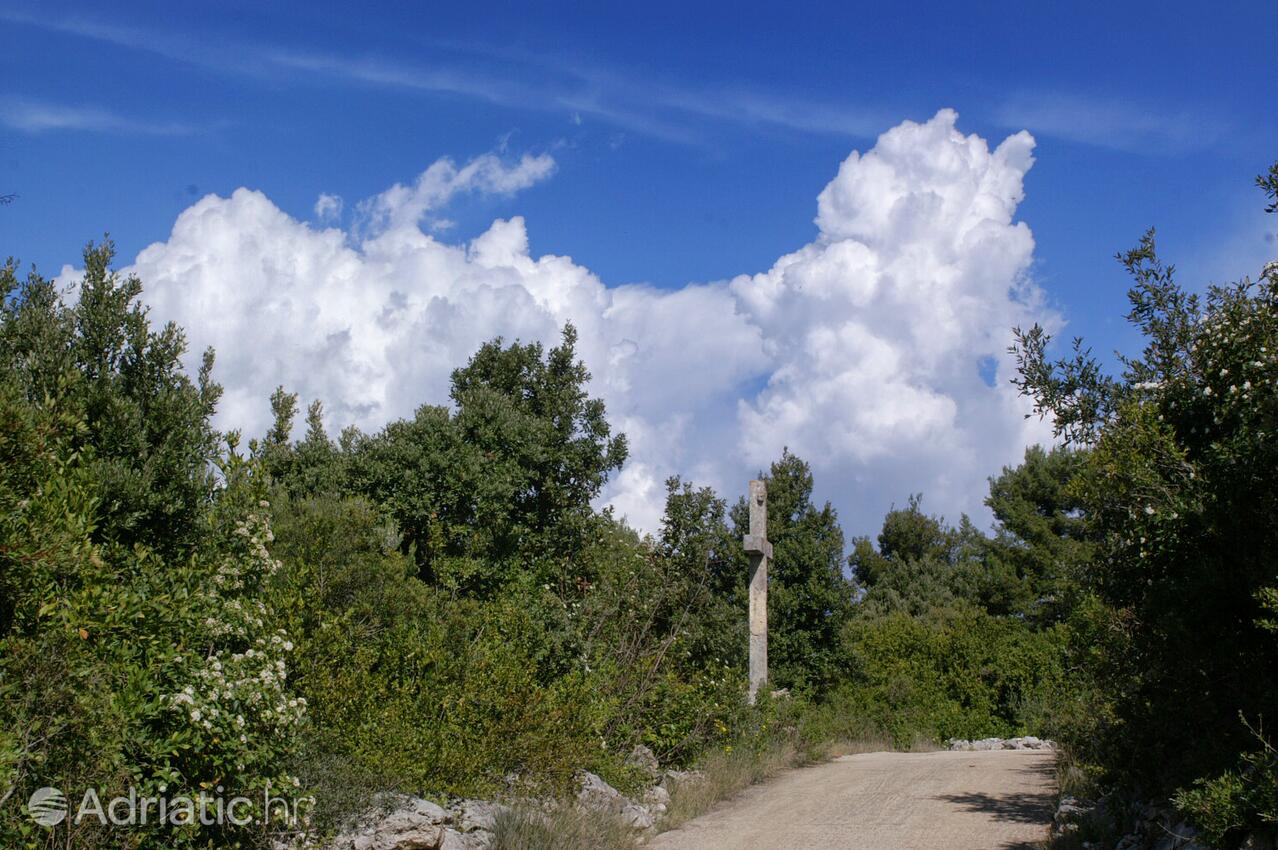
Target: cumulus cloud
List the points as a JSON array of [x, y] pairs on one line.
[[328, 208], [862, 350], [403, 206]]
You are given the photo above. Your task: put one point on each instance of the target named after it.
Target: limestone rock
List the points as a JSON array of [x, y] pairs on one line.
[[1028, 742], [454, 840], [1260, 841], [596, 794], [638, 816], [401, 823], [657, 799], [672, 778], [472, 815], [644, 759]]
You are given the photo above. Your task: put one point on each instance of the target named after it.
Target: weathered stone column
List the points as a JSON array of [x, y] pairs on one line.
[[760, 552]]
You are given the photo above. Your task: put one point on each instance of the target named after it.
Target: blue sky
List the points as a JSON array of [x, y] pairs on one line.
[[689, 141]]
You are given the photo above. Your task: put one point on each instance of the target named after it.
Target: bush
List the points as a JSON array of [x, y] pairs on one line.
[[120, 669], [959, 673]]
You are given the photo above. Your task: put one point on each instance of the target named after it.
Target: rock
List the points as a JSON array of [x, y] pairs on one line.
[[408, 823], [1266, 840], [1069, 813], [472, 815], [657, 799], [1028, 742], [596, 794], [672, 778], [645, 760], [454, 840], [637, 816]]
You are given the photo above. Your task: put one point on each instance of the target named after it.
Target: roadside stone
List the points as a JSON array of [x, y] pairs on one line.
[[1028, 742], [454, 840], [596, 794], [1260, 841], [645, 760], [472, 815], [409, 823], [672, 778], [637, 816], [657, 799]]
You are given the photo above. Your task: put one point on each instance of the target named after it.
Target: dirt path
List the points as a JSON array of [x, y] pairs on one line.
[[1000, 800]]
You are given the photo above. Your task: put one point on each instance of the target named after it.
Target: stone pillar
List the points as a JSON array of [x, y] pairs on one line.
[[759, 550]]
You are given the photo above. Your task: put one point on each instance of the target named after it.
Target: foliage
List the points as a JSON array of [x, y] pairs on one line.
[[498, 488], [1239, 801], [961, 673], [1180, 487], [146, 422], [122, 669]]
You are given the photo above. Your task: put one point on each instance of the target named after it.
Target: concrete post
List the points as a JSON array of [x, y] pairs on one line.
[[760, 552]]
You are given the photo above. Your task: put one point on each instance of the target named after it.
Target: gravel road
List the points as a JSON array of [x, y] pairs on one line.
[[997, 800]]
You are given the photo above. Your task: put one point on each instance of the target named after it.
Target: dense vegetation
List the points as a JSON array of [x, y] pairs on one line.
[[439, 608]]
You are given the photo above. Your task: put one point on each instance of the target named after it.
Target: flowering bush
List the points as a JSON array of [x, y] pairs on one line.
[[121, 670], [1182, 484]]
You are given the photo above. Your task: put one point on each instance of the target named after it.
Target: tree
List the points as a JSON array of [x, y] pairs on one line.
[[1042, 537], [145, 421], [529, 411], [1180, 484], [498, 488]]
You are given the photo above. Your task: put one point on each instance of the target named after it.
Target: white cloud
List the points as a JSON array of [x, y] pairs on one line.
[[328, 208], [403, 206], [860, 351], [31, 116], [631, 99], [1124, 125]]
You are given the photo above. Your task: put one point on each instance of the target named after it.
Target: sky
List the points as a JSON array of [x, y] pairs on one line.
[[811, 227]]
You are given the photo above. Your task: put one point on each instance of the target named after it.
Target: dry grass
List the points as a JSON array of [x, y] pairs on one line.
[[561, 827]]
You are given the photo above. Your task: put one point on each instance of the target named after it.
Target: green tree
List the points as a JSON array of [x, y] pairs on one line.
[[1042, 538], [147, 423], [123, 665], [502, 486], [1180, 485]]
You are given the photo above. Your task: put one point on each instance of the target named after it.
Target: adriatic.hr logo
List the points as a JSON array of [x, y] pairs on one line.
[[47, 806]]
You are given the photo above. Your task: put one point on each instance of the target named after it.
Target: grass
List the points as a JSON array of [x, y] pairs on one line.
[[561, 827]]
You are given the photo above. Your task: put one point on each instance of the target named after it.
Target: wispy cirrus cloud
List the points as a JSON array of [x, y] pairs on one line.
[[33, 116], [1113, 123], [516, 79]]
